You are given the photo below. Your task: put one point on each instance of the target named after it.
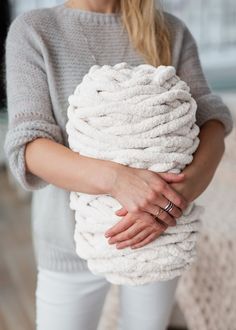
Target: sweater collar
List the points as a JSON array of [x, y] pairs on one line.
[[87, 16]]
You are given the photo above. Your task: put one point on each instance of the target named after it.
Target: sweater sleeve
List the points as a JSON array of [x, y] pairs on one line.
[[30, 114], [210, 105]]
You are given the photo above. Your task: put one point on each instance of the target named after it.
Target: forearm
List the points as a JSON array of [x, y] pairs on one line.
[[207, 157], [58, 165]]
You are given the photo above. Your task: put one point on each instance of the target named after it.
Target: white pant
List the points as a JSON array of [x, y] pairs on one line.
[[74, 301]]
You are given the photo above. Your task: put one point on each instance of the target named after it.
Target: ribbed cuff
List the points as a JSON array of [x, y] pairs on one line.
[[211, 107]]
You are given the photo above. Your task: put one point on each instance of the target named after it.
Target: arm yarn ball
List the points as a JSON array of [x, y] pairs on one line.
[[141, 116]]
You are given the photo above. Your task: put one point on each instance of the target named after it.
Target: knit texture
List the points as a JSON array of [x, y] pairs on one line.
[[46, 57], [210, 278], [142, 117]]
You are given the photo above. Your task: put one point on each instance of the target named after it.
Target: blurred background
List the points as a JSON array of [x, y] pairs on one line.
[[213, 24]]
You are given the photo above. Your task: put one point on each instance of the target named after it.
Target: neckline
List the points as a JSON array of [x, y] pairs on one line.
[[90, 16]]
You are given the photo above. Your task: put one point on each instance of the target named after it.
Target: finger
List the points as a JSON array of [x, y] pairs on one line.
[[175, 212], [151, 207], [127, 234], [146, 241], [121, 212], [160, 228], [172, 177], [166, 218], [122, 225], [138, 238], [163, 225], [163, 215], [171, 195]]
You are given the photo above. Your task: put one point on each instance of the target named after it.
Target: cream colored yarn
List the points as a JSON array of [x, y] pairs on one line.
[[144, 117]]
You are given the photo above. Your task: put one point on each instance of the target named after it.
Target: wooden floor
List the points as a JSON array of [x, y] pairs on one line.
[[17, 268]]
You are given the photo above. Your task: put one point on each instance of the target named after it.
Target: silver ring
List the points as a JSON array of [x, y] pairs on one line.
[[169, 206]]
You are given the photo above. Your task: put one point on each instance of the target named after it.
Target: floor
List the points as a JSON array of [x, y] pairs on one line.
[[17, 268]]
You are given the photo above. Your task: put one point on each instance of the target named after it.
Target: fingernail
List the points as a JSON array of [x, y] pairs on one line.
[[106, 234]]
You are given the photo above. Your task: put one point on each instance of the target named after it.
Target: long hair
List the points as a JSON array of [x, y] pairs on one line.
[[147, 30]]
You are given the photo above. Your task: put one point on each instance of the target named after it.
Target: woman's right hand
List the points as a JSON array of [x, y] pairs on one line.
[[144, 190]]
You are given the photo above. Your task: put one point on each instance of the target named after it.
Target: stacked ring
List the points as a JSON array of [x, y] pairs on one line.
[[169, 207]]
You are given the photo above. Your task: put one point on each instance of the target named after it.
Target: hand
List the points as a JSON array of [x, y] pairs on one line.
[[144, 190], [135, 230]]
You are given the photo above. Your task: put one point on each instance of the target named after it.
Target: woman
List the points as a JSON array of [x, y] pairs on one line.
[[48, 51]]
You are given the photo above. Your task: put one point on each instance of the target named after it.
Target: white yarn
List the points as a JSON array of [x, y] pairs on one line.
[[141, 116]]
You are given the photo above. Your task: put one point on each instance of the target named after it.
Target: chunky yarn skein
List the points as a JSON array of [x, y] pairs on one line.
[[141, 116]]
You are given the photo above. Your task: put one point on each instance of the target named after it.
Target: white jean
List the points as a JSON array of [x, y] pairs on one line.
[[74, 301]]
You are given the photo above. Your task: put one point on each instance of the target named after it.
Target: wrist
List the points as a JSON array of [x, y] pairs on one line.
[[92, 175], [109, 177]]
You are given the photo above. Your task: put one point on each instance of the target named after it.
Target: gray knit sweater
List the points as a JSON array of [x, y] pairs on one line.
[[46, 57]]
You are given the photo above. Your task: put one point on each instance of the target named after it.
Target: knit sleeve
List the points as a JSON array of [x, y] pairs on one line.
[[210, 105], [28, 101]]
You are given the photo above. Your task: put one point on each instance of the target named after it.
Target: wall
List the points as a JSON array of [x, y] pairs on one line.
[[213, 24]]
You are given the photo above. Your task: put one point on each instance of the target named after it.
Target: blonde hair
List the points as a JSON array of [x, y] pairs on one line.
[[147, 30]]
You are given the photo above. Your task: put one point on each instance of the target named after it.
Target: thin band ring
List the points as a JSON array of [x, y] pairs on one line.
[[158, 213]]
